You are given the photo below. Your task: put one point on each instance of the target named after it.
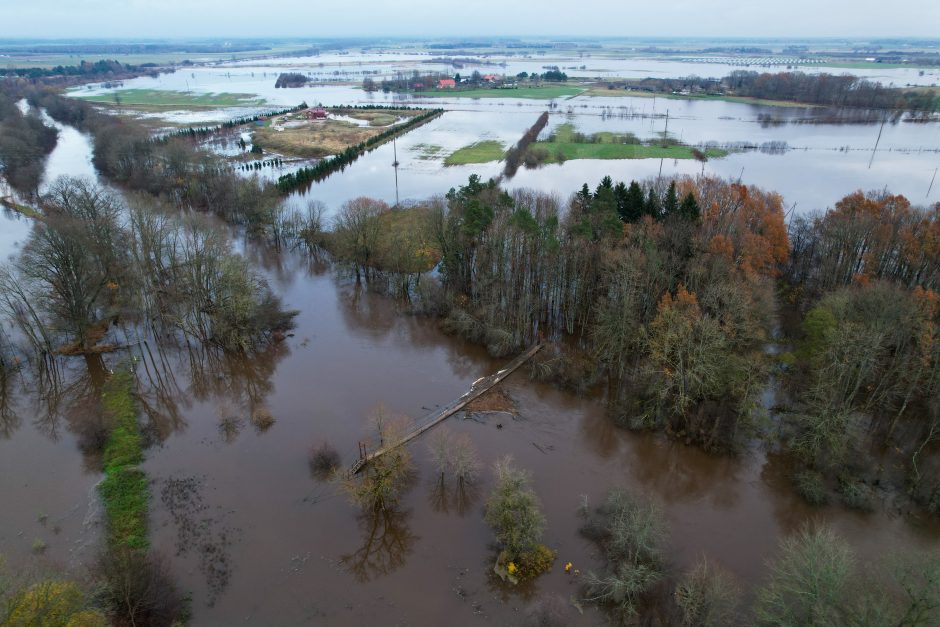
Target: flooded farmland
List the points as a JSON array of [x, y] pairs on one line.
[[256, 539]]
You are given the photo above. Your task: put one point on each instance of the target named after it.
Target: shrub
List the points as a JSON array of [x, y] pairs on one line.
[[811, 486], [323, 461], [262, 419], [808, 581], [137, 589], [631, 531], [856, 495], [51, 604], [707, 596], [535, 562], [513, 511]]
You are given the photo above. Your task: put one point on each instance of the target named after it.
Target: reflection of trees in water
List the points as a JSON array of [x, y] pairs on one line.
[[365, 313], [9, 419], [65, 392], [376, 316], [387, 542], [681, 474], [238, 385], [461, 496]]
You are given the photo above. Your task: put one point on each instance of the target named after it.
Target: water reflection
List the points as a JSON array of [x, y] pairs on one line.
[[387, 541], [10, 421], [460, 497], [237, 385]]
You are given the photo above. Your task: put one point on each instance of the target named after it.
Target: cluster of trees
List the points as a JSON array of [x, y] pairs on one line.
[[828, 89], [516, 155], [85, 268], [864, 278], [671, 305], [25, 142], [820, 89], [382, 244], [291, 79], [323, 168], [815, 578], [85, 70], [415, 81], [668, 292]]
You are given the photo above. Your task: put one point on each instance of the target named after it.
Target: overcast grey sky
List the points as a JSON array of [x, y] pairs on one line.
[[339, 18]]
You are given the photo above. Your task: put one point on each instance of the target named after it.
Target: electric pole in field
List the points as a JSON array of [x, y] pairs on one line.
[[395, 165]]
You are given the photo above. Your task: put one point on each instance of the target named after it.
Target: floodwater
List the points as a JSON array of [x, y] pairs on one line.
[[258, 541], [823, 161]]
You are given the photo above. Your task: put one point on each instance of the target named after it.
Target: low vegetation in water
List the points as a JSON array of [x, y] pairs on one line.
[[480, 152], [631, 531], [565, 143]]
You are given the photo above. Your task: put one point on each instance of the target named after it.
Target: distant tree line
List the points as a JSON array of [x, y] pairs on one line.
[[291, 79], [514, 155], [85, 69], [818, 89]]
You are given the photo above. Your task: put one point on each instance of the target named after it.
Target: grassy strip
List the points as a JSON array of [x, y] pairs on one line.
[[169, 98], [27, 211], [620, 151], [480, 152], [532, 93], [125, 489]]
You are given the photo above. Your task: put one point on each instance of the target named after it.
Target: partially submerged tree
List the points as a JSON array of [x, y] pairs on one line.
[[379, 485], [809, 581], [513, 512], [708, 596], [631, 532]]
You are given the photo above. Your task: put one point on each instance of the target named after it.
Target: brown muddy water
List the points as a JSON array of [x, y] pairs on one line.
[[257, 540]]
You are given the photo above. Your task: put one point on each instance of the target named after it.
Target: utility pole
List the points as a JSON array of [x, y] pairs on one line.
[[395, 165], [877, 141], [666, 130], [931, 181]]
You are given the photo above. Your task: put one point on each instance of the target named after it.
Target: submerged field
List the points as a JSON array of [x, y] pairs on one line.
[[480, 152], [543, 92], [161, 99], [294, 135]]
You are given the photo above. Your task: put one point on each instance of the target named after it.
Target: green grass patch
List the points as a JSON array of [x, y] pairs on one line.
[[480, 152], [427, 152], [125, 489], [620, 151], [544, 92], [26, 210], [565, 144], [160, 98]]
